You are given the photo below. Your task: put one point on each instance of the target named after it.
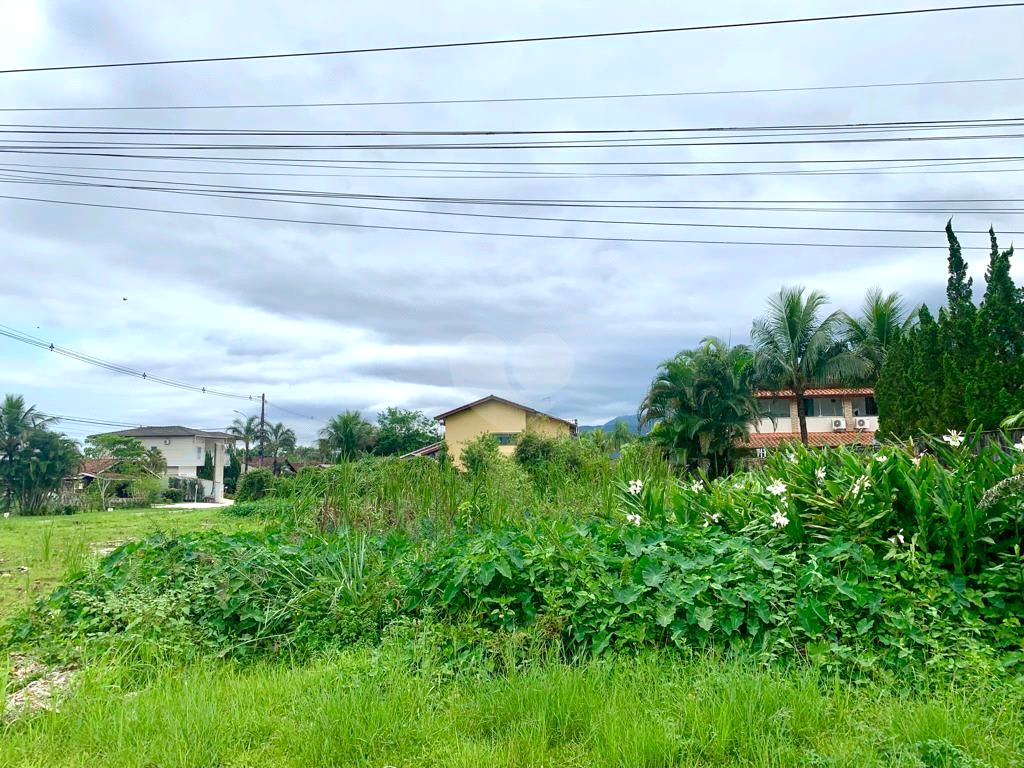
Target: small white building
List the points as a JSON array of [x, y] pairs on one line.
[[185, 450]]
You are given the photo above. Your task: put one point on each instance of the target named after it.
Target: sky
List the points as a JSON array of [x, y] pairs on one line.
[[324, 318]]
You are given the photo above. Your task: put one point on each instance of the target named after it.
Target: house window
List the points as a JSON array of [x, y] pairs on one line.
[[761, 453], [200, 459], [775, 408], [823, 406], [506, 438], [870, 406]]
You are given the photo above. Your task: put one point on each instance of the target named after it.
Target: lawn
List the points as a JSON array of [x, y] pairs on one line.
[[36, 552], [395, 707]]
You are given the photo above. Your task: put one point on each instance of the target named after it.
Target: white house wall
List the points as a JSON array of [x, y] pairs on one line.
[[182, 454]]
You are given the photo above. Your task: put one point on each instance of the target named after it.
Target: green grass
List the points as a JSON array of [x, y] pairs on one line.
[[392, 707], [50, 547]]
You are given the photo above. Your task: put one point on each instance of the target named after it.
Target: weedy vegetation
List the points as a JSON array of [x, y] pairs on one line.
[[827, 608]]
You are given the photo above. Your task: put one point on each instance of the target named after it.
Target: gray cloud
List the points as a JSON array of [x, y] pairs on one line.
[[326, 318]]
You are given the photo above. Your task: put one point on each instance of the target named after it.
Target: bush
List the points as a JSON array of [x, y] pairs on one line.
[[254, 485], [174, 495], [481, 454]]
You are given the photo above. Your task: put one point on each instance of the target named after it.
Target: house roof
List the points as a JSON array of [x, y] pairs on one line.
[[495, 398], [426, 450], [814, 439], [94, 467], [169, 432], [764, 394]]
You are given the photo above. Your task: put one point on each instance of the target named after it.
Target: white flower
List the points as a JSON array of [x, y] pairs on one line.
[[6, 515], [1019, 446], [881, 458], [779, 520], [859, 485], [714, 519], [778, 488], [953, 438], [916, 461], [738, 486], [820, 474], [898, 538], [697, 486], [636, 486], [634, 519], [791, 457]]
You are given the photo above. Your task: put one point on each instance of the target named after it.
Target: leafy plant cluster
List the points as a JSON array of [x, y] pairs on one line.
[[858, 562], [217, 594]]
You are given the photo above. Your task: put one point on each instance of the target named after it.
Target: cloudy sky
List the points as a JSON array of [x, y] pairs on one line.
[[327, 317]]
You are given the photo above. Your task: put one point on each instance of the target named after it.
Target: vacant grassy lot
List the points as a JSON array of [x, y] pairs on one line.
[[35, 552], [398, 708]]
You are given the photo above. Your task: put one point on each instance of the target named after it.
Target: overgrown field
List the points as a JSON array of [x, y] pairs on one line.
[[516, 614], [37, 552]]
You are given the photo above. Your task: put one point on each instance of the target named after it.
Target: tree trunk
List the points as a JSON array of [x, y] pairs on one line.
[[801, 413]]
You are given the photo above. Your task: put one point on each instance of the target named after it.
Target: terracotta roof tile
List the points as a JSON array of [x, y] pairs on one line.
[[815, 439], [95, 466], [819, 392]]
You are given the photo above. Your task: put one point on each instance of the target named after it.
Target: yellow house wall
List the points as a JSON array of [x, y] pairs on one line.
[[465, 426], [546, 427], [495, 417]]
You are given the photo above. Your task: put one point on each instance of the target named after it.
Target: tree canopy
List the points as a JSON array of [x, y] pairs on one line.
[[968, 365], [701, 404]]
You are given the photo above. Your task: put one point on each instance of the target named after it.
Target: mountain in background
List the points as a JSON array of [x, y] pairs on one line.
[[609, 426]]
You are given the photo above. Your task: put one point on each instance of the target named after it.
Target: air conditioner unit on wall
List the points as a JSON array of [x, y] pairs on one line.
[[838, 425], [862, 423]]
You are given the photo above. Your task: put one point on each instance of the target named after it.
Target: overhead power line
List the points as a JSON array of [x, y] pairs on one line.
[[25, 338], [91, 422], [883, 125], [293, 413], [524, 235], [519, 217], [518, 40], [514, 99]]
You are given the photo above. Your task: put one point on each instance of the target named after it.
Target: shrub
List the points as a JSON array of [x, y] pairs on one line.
[[255, 485], [174, 495], [481, 454]]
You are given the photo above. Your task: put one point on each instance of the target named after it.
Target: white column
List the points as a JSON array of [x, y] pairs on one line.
[[218, 471]]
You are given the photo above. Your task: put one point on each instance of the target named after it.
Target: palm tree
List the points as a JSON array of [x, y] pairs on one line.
[[794, 348], [280, 440], [17, 423], [347, 435], [248, 432], [702, 404], [883, 322], [621, 435]]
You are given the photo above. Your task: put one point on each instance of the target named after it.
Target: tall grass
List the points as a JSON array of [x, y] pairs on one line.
[[363, 708]]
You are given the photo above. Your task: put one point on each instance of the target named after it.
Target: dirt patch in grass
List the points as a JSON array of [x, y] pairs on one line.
[[33, 686]]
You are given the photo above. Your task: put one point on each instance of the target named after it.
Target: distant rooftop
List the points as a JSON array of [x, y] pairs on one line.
[[494, 398], [169, 432], [818, 392]]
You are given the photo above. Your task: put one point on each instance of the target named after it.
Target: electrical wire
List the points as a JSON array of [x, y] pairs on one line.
[[513, 99], [63, 129], [562, 219], [517, 40], [524, 235], [25, 338]]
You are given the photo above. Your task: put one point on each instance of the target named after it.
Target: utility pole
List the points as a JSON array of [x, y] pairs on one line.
[[263, 425]]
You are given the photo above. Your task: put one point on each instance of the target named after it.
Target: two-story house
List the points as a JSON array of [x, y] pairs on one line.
[[185, 449], [499, 417], [835, 416]]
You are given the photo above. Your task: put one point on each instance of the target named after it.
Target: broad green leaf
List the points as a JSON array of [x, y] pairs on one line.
[[705, 615], [664, 614]]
